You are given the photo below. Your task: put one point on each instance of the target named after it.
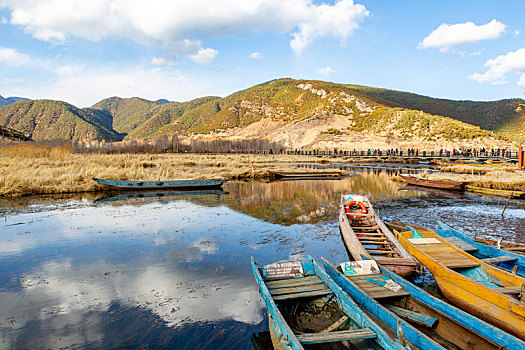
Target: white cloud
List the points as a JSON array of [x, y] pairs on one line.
[[256, 55], [159, 61], [83, 86], [204, 56], [326, 71], [3, 20], [499, 67], [13, 58], [339, 20], [517, 32], [174, 23], [447, 36]]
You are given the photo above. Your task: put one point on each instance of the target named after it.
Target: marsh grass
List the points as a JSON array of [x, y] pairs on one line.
[[498, 178], [29, 169]]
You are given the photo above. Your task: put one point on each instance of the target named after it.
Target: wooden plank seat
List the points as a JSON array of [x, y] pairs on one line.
[[294, 288], [446, 255], [352, 334], [374, 290], [301, 281], [499, 259]]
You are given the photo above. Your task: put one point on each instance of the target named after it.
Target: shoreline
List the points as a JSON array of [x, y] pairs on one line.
[[36, 170]]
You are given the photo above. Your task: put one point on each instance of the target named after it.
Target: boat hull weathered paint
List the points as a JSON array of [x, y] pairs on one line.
[[314, 286], [496, 192], [485, 252], [444, 185], [479, 288], [444, 323], [160, 185], [358, 243]]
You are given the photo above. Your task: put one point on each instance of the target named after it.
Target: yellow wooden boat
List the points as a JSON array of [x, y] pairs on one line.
[[488, 292], [495, 192]]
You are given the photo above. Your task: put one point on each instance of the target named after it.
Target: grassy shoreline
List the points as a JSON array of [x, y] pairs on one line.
[[32, 170]]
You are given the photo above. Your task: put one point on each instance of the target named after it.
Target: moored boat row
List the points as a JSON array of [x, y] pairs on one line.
[[395, 313]]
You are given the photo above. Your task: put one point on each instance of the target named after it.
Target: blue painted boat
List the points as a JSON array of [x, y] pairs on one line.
[[504, 259], [415, 310], [305, 306], [159, 185]]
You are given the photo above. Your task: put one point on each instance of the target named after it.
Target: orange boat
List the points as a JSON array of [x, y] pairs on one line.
[[485, 291]]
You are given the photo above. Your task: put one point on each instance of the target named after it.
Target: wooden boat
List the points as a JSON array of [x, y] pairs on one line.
[[443, 184], [496, 192], [491, 255], [312, 175], [366, 237], [305, 306], [402, 303], [156, 185], [485, 291], [511, 247]]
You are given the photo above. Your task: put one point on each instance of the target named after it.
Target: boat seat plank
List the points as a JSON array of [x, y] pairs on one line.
[[499, 259], [376, 242], [290, 282], [353, 334], [376, 291], [413, 316], [461, 244], [508, 290], [302, 294], [378, 239], [299, 289]]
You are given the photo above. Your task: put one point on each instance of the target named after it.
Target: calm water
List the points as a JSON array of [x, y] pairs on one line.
[[173, 271]]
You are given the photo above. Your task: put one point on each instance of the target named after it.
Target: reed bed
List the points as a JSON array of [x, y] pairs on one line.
[[497, 178], [30, 169]]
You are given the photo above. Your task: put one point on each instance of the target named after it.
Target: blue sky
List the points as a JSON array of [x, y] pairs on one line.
[[83, 51]]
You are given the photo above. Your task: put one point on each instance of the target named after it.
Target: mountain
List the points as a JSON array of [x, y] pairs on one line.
[[128, 113], [162, 101], [7, 101], [499, 116], [56, 120], [297, 113]]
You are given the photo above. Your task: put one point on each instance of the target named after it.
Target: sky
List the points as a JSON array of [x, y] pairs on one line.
[[84, 51]]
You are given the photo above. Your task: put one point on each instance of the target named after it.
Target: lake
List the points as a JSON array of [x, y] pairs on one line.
[[107, 271]]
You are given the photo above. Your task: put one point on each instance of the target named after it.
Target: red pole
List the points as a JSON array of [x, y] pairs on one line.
[[521, 159]]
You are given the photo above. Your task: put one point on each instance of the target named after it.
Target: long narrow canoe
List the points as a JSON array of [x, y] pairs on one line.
[[312, 175], [495, 192], [443, 184], [485, 291], [157, 185], [492, 255], [414, 309], [305, 306], [366, 236]]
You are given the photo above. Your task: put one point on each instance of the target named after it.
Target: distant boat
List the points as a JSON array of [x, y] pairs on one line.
[[441, 184], [488, 292], [496, 192], [156, 185], [366, 236], [312, 175], [305, 306], [399, 303]]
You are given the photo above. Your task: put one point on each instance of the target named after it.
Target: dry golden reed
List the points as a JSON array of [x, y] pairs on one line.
[[31, 169]]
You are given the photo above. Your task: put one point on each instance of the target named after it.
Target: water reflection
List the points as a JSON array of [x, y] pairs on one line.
[[174, 271]]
